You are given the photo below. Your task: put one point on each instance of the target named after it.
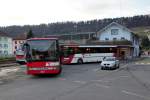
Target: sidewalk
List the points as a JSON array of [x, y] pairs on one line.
[[143, 61], [131, 60]]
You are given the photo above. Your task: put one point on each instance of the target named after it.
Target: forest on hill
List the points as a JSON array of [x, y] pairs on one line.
[[73, 27]]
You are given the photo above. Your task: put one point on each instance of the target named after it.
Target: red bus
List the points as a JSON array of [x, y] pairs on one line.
[[86, 53], [42, 56]]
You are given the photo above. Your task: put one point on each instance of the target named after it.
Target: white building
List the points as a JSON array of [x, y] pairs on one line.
[[127, 41], [5, 45]]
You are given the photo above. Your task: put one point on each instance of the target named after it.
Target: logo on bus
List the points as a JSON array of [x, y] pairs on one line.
[[52, 64]]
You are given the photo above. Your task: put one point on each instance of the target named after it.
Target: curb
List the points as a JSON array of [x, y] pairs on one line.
[[8, 65], [142, 63]]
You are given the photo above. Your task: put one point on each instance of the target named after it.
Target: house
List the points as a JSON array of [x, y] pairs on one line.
[[5, 45], [18, 41], [126, 41]]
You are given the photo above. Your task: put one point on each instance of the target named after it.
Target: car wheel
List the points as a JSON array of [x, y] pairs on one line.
[[118, 65]]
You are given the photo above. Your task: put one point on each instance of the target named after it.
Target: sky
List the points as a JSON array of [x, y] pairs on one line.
[[34, 12]]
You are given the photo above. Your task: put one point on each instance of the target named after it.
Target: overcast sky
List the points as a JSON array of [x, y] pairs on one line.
[[29, 12]]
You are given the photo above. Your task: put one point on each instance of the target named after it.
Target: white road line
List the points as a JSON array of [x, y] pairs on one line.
[[100, 81], [96, 69], [1, 82], [123, 76], [63, 79], [124, 65], [116, 78], [134, 94], [81, 82], [103, 86]]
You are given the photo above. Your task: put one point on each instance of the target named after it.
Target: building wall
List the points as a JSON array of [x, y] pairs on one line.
[[5, 46], [121, 33]]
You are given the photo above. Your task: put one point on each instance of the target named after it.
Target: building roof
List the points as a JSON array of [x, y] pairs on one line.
[[20, 37], [114, 23], [4, 34]]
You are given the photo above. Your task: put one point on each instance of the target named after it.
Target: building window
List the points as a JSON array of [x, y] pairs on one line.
[[5, 39], [15, 47], [114, 31], [5, 45], [15, 42], [1, 52], [6, 52], [114, 39], [1, 46], [122, 38], [107, 39]]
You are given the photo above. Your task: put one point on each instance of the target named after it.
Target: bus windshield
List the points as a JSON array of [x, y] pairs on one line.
[[42, 50]]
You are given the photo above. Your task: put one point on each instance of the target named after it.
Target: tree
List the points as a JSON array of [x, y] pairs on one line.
[[145, 42], [30, 34]]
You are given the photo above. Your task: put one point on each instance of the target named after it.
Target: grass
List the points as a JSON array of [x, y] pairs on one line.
[[141, 30], [7, 58]]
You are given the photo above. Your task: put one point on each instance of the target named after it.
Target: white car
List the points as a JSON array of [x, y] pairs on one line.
[[110, 63]]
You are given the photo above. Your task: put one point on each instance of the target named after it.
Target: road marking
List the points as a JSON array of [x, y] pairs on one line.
[[103, 86], [123, 76], [96, 69], [100, 81], [63, 79], [134, 94], [1, 82], [81, 82]]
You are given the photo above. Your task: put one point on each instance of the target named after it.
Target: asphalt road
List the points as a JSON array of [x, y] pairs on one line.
[[81, 82]]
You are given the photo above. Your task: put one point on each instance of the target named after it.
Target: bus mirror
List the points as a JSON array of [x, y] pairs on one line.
[[26, 46]]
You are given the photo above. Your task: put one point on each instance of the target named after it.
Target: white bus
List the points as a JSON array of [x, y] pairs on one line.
[[20, 55], [86, 53]]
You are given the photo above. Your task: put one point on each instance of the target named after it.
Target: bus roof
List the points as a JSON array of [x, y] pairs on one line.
[[97, 46], [90, 46], [43, 39]]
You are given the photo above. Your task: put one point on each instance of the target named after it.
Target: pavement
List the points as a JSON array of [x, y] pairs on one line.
[[80, 82]]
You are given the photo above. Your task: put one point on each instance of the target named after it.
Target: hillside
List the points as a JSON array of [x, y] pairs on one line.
[[141, 30], [139, 24]]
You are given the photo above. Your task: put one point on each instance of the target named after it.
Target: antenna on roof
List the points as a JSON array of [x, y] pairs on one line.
[[120, 11]]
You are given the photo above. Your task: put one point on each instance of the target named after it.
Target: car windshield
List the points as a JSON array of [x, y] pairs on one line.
[[109, 59], [42, 50]]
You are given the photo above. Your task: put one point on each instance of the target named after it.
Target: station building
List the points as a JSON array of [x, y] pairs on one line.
[[120, 40]]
